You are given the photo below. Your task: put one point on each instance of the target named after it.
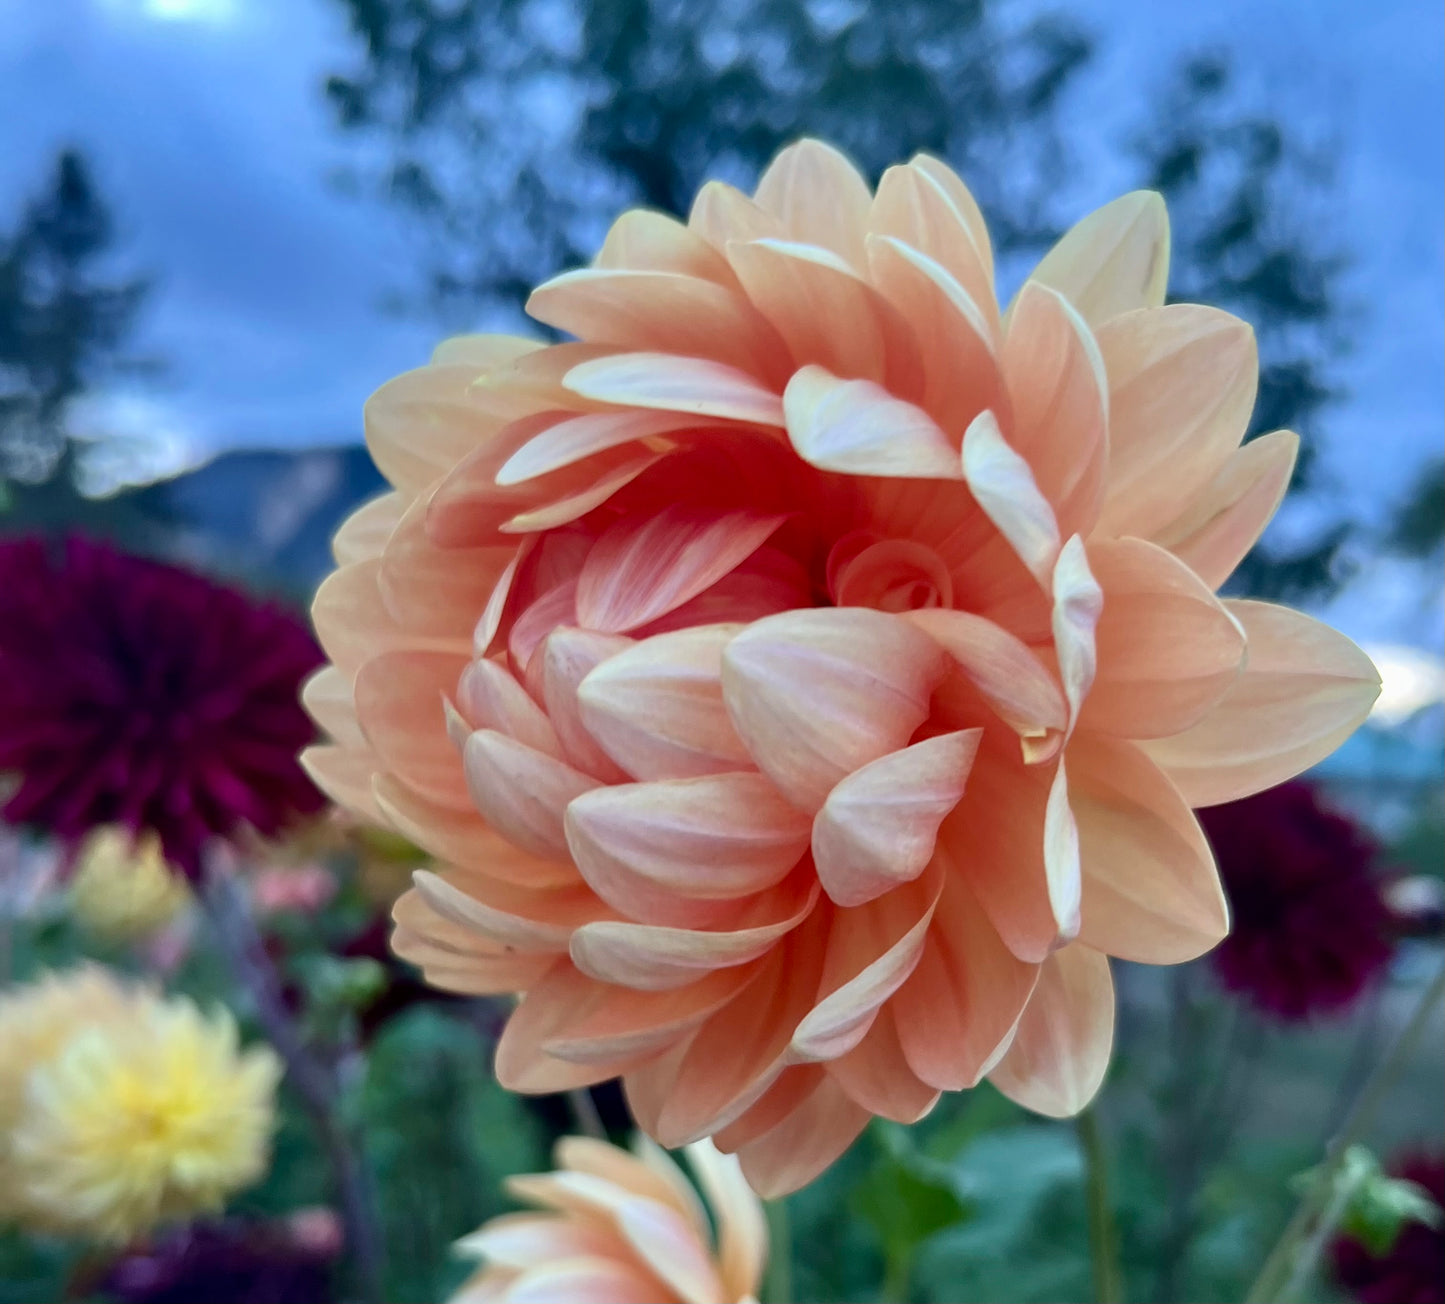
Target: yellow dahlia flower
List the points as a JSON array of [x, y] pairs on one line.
[[123, 890], [144, 1111], [619, 1228], [807, 675]]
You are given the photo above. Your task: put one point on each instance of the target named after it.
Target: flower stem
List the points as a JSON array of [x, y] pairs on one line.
[[584, 1113], [778, 1285], [311, 1075], [1103, 1236], [1304, 1236]]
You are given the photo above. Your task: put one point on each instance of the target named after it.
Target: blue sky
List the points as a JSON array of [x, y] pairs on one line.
[[206, 122]]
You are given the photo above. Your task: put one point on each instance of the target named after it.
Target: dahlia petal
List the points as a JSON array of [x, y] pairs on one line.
[[344, 775], [575, 505], [871, 951], [1004, 669], [825, 312], [1078, 603], [858, 428], [649, 1172], [742, 1229], [672, 1250], [532, 922], [1004, 486], [960, 374], [1151, 893], [519, 1240], [1114, 261], [580, 437], [878, 827], [581, 1280], [890, 575], [876, 1075], [1061, 1049], [328, 699], [805, 1143], [432, 591], [964, 997], [1056, 378], [521, 792], [537, 619], [651, 957], [458, 959], [647, 241], [482, 352], [352, 623], [816, 694], [615, 1022], [568, 655], [491, 698], [657, 708], [789, 1090], [1182, 381], [1226, 519], [533, 384], [640, 569], [673, 384], [656, 850], [1303, 691], [926, 207], [721, 213], [462, 839], [399, 704], [421, 424], [490, 621], [664, 312], [819, 197], [364, 533], [1166, 649]]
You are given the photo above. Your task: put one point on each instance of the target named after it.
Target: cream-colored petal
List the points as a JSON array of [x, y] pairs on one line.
[[517, 919], [1305, 688], [364, 533], [577, 438], [742, 1227], [568, 655], [722, 213], [328, 699], [421, 424], [673, 384], [1114, 260], [399, 702], [344, 775], [819, 197], [482, 351], [1078, 603], [646, 241], [1060, 1052], [1003, 485], [671, 1250]]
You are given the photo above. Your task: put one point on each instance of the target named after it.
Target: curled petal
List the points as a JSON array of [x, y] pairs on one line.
[[1061, 1049], [512, 917], [817, 694], [1115, 260], [878, 826], [521, 792], [673, 384], [1005, 489], [577, 438], [722, 213], [1303, 691], [674, 1251], [568, 656], [1078, 604], [647, 241]]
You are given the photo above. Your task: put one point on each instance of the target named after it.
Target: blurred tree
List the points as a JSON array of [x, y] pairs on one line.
[[1418, 528], [1244, 197]]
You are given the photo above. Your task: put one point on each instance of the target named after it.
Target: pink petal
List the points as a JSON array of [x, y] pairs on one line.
[[522, 793], [875, 1074], [644, 240], [878, 826], [674, 384], [1303, 691], [364, 533], [580, 437], [519, 1240], [515, 918], [399, 704], [817, 694], [588, 1280], [352, 623], [1061, 1050], [818, 196], [1078, 605], [491, 698], [858, 428], [656, 850], [672, 1249], [722, 213], [344, 775], [576, 503], [1005, 489], [568, 655], [422, 423], [805, 1143], [788, 1091], [742, 1227], [1166, 649]]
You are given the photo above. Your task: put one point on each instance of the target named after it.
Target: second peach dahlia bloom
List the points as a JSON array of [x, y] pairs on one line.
[[806, 677]]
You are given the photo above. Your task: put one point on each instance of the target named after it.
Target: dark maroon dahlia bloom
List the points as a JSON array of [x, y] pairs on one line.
[[137, 693], [1310, 925], [1412, 1270]]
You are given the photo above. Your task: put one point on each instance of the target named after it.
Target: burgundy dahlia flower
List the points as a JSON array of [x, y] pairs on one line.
[[140, 694], [1412, 1270], [1310, 924]]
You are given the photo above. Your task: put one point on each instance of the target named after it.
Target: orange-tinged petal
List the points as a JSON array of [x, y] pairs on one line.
[[640, 569], [964, 997], [742, 1229], [644, 240], [656, 850], [581, 1280], [328, 698], [1061, 1049], [1167, 649], [652, 957], [792, 1154], [1115, 260], [399, 704], [789, 1090], [568, 655], [576, 438], [1151, 893], [1182, 381], [661, 1239], [364, 533], [421, 424], [878, 827], [657, 708], [1004, 487], [1078, 605], [518, 1240], [521, 792], [1226, 519], [517, 919], [649, 1172], [818, 196], [721, 213], [1305, 688], [490, 697], [817, 694], [482, 352], [876, 1074], [344, 775], [353, 624], [673, 384], [859, 428], [575, 504]]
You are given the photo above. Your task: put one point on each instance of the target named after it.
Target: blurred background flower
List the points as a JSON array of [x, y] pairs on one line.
[[121, 889], [1412, 1269]]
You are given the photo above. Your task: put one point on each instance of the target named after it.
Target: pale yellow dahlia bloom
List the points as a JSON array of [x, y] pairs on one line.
[[618, 1228], [123, 890], [137, 1111]]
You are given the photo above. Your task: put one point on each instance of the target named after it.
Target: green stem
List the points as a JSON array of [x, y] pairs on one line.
[[778, 1285], [897, 1277], [1103, 1237], [1307, 1231]]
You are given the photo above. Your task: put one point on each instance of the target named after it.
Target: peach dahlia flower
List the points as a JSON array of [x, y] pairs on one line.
[[621, 1228], [805, 677]]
